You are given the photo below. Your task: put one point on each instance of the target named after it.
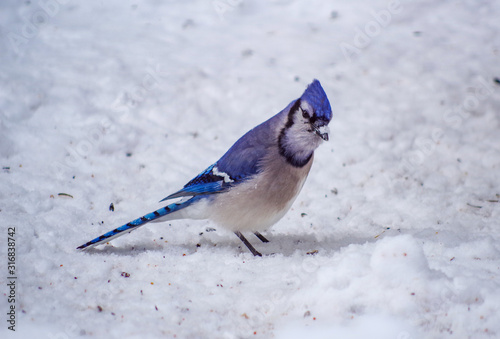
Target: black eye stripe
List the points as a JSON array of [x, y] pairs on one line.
[[306, 115], [291, 113], [313, 119]]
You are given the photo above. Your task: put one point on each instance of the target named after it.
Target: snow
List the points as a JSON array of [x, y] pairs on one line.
[[394, 235], [226, 176]]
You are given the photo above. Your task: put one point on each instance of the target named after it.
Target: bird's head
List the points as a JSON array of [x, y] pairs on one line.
[[306, 125], [315, 110]]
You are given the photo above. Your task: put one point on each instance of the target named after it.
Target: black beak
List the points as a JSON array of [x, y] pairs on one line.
[[321, 131]]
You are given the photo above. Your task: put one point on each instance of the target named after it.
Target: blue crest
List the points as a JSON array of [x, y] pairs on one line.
[[316, 97]]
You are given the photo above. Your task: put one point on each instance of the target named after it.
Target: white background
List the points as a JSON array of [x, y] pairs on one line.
[[123, 102]]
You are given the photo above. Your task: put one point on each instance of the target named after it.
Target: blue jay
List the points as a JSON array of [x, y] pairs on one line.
[[256, 181]]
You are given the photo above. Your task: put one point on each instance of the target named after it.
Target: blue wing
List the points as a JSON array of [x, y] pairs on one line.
[[240, 163], [204, 183], [243, 159]]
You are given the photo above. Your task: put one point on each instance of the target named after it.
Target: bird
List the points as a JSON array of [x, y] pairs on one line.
[[253, 185]]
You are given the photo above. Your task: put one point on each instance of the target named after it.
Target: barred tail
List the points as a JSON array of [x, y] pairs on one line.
[[135, 224]]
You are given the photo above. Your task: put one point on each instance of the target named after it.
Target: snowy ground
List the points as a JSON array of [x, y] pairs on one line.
[[123, 102]]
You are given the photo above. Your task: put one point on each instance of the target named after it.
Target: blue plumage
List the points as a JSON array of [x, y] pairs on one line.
[[255, 182], [134, 224], [204, 183], [316, 96]]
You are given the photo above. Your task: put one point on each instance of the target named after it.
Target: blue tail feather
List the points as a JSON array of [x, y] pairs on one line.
[[134, 224]]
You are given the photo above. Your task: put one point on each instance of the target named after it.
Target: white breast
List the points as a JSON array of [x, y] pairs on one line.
[[259, 203]]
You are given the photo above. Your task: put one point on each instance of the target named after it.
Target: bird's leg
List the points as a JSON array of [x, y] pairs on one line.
[[247, 244], [261, 237]]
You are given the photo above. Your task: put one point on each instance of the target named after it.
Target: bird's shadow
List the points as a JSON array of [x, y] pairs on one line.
[[279, 244], [305, 244]]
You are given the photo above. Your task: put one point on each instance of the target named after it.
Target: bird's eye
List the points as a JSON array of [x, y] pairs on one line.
[[305, 115]]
